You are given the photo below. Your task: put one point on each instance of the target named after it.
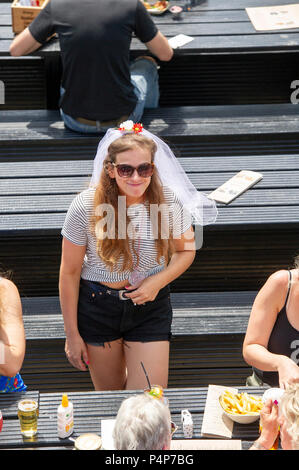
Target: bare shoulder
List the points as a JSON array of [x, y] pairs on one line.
[[8, 286], [279, 279], [275, 288]]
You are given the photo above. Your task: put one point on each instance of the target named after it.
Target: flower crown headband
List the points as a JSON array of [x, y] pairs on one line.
[[130, 126]]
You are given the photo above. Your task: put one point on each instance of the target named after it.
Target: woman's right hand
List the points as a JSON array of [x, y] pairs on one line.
[[269, 424], [76, 351], [288, 372]]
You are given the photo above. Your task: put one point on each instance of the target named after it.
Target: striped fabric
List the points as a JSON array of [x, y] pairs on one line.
[[77, 230]]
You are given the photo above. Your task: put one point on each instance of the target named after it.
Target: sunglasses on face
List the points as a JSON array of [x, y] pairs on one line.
[[145, 170], [173, 427]]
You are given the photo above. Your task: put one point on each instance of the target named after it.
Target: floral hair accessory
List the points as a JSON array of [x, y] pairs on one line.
[[130, 126], [156, 391]]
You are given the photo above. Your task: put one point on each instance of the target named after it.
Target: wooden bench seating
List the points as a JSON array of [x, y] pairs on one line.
[[225, 106], [227, 62], [208, 331], [253, 236]]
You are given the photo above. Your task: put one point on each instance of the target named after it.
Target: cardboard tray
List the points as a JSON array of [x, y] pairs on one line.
[[22, 16]]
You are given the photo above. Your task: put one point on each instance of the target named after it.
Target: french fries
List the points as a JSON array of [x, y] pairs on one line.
[[157, 5], [241, 403]]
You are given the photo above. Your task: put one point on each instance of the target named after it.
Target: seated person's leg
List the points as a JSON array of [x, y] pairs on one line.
[[145, 78]]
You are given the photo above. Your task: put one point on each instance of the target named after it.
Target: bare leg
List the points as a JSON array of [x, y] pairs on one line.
[[155, 358], [107, 366]]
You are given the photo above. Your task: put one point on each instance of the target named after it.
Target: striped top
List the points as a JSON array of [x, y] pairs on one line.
[[76, 229]]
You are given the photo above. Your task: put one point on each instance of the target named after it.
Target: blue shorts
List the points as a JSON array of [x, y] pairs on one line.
[[145, 78], [12, 384], [103, 318]]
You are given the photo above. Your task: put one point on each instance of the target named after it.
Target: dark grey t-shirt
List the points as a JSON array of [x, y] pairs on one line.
[[95, 37]]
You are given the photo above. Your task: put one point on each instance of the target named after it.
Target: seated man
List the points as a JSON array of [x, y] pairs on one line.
[[142, 423], [100, 88]]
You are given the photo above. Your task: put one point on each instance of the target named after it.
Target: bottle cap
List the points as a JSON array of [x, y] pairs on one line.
[[65, 400]]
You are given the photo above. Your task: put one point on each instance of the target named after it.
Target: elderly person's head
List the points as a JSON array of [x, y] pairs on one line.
[[289, 418], [142, 423]]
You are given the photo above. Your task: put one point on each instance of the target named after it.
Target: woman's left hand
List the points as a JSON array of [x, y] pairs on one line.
[[146, 292]]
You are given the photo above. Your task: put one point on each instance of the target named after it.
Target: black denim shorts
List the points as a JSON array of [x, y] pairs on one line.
[[103, 317]]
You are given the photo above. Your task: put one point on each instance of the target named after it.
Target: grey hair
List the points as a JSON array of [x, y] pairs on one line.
[[142, 423], [290, 410]]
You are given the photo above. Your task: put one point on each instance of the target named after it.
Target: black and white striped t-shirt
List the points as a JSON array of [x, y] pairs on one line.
[[77, 230]]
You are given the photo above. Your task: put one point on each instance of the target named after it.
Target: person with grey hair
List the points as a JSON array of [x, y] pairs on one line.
[[142, 423], [284, 417]]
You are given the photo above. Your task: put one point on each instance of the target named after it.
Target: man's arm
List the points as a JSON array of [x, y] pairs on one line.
[[23, 44], [160, 47]]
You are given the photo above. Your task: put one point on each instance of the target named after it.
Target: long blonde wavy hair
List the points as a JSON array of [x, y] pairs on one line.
[[290, 410], [107, 192]]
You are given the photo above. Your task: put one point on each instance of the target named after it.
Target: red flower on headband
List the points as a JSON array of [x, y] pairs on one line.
[[129, 126], [137, 128]]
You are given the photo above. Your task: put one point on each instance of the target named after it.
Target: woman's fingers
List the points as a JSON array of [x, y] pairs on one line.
[[77, 362], [76, 353]]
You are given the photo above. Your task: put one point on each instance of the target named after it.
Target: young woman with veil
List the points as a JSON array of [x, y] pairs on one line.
[[125, 239]]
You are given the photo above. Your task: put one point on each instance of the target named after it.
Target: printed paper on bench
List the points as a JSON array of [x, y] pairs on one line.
[[274, 18], [215, 423], [179, 40], [235, 186]]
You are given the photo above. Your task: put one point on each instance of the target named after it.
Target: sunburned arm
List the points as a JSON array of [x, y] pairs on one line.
[[12, 333], [23, 44], [266, 307], [69, 284], [69, 279]]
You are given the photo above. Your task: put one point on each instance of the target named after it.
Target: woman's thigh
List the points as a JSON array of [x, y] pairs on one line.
[[107, 365], [155, 357]]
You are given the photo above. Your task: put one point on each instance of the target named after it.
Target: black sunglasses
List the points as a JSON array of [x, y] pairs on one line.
[[145, 170]]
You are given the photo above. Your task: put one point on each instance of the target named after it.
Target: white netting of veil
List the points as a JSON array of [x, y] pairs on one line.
[[202, 209]]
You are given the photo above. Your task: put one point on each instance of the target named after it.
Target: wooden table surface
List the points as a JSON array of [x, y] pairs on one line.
[[216, 26], [91, 407]]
